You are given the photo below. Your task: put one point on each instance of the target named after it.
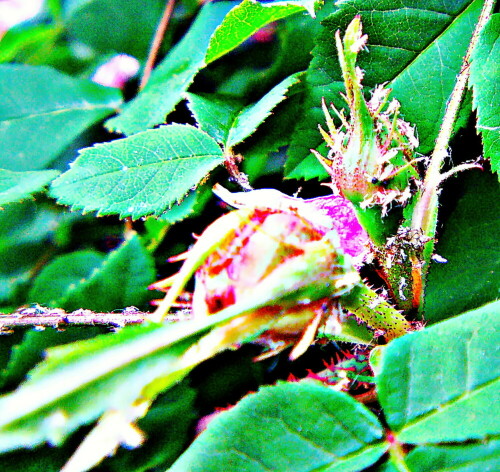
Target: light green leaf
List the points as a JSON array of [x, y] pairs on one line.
[[140, 175], [473, 457], [418, 48], [439, 384], [228, 121], [89, 280], [484, 78], [246, 19], [15, 186], [172, 76], [291, 426], [469, 242], [28, 42], [41, 117]]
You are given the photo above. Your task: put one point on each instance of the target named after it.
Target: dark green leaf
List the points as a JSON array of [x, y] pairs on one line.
[[439, 384], [299, 427], [405, 43], [61, 276], [48, 110], [484, 74], [124, 26], [48, 459], [25, 234], [469, 243], [88, 280], [246, 19], [228, 121], [15, 186], [191, 206], [172, 76], [32, 349], [140, 175]]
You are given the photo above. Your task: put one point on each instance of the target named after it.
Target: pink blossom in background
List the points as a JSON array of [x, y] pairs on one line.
[[117, 71], [13, 12]]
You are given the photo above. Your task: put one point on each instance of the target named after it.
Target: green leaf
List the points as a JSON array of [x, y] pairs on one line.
[[48, 112], [246, 19], [213, 114], [299, 427], [48, 459], [264, 151], [484, 73], [458, 457], [26, 237], [191, 206], [89, 280], [61, 276], [172, 76], [417, 47], [15, 186], [140, 175], [124, 26], [439, 384], [228, 121], [28, 42], [469, 243]]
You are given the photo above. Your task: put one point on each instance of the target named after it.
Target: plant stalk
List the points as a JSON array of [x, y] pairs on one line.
[[376, 312], [157, 40], [424, 216]]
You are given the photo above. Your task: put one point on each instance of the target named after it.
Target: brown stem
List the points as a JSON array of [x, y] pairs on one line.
[[231, 163], [57, 318], [367, 397], [155, 45]]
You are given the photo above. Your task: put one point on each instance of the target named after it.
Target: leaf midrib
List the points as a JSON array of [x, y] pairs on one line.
[[443, 406], [59, 111]]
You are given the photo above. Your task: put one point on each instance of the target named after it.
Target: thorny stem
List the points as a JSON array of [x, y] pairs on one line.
[[425, 210], [155, 45], [375, 311]]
